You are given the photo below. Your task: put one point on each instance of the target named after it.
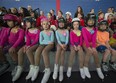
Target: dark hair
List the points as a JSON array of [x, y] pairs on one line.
[[49, 13], [25, 12], [60, 11], [90, 16], [81, 12]]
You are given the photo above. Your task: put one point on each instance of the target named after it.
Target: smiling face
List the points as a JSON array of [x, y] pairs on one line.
[[90, 22], [103, 27]]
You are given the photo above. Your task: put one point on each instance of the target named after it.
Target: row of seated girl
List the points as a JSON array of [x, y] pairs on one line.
[[89, 39]]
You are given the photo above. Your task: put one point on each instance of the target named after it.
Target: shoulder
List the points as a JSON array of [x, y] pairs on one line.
[[71, 32], [22, 30], [84, 29], [66, 30], [41, 32]]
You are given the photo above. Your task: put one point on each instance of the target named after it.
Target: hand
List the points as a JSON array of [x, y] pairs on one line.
[[51, 43], [78, 47], [26, 48], [90, 49], [75, 48], [12, 50], [64, 46], [0, 47], [93, 50]]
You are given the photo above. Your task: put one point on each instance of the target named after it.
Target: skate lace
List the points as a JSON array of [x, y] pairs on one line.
[[45, 71], [105, 67], [114, 65]]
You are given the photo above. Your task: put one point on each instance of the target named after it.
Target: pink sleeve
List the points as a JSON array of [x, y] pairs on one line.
[[94, 38], [71, 38], [85, 37], [36, 39], [4, 37], [28, 40], [20, 38], [81, 40]]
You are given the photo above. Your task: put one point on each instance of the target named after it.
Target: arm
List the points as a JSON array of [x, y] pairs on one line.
[[67, 37], [41, 38], [107, 42], [4, 38], [85, 37], [36, 38], [52, 37], [28, 40], [81, 40], [20, 38], [71, 38], [58, 39], [94, 39], [97, 39]]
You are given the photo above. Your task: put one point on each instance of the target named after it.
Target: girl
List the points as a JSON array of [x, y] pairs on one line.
[[60, 14], [4, 65], [80, 11], [46, 44], [62, 36], [52, 21], [32, 37], [76, 46], [89, 36], [53, 14], [100, 16], [68, 20], [104, 47], [112, 43], [14, 37]]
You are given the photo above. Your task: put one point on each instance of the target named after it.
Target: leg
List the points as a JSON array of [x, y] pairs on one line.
[[21, 56], [2, 56], [4, 63], [106, 54], [81, 58], [71, 59], [96, 59], [32, 67], [38, 54], [104, 65], [87, 57], [14, 57], [112, 63], [71, 56], [37, 61], [58, 52], [62, 58], [20, 64], [81, 63], [30, 54], [45, 54], [113, 55]]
